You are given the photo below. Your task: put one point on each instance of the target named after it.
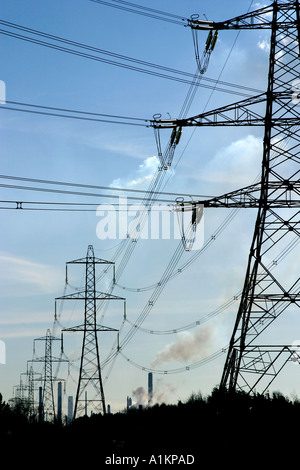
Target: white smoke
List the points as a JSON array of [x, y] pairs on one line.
[[188, 346], [140, 396], [162, 393], [228, 168]]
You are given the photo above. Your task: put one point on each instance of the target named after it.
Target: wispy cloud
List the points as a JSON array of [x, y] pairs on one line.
[[21, 276], [24, 333], [127, 148], [137, 148]]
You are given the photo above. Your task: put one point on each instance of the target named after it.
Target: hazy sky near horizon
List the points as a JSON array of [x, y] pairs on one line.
[[35, 245]]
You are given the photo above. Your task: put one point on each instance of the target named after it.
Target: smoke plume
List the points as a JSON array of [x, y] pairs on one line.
[[162, 393], [140, 396], [188, 346]]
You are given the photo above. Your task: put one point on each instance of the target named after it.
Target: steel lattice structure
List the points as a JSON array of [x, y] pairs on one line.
[[90, 391], [47, 410], [31, 388], [267, 293]]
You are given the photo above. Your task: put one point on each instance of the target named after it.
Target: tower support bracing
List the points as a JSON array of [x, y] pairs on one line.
[[268, 292]]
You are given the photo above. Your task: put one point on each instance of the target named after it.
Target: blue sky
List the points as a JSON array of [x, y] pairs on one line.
[[35, 245]]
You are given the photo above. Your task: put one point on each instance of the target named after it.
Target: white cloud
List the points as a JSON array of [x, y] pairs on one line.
[[264, 45], [23, 333], [137, 148], [20, 276], [143, 174], [238, 163], [127, 148]]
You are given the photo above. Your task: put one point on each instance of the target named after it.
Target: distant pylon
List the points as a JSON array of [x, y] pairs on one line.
[[90, 393], [31, 389], [48, 406], [20, 399]]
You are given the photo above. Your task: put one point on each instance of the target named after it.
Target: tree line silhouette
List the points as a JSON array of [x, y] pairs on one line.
[[224, 427]]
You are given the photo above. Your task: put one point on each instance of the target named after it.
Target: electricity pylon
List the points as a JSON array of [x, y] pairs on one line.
[[267, 293], [47, 410], [20, 399], [90, 381], [31, 388]]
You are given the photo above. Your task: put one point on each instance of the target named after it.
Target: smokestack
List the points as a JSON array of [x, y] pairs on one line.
[[59, 401], [41, 417], [129, 402], [108, 409], [85, 408], [70, 409], [150, 387]]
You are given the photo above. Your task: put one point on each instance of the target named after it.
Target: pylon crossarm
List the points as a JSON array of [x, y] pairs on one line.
[[257, 19], [94, 259], [53, 359], [97, 296], [92, 328], [283, 194], [237, 113]]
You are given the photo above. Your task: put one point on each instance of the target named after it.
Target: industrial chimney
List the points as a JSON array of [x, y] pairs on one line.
[[70, 409], [59, 402], [150, 388], [129, 402]]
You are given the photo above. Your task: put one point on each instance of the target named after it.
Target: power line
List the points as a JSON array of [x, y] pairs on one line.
[[178, 370], [145, 11], [189, 77], [204, 318], [172, 267], [170, 270], [91, 186], [69, 116], [213, 88], [44, 209], [111, 358], [73, 193], [195, 256], [69, 206], [77, 111]]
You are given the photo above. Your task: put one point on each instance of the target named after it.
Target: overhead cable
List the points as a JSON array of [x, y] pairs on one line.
[[92, 186], [145, 11], [178, 75]]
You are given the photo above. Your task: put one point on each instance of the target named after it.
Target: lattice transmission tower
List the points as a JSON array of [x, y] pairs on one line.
[[47, 406], [90, 393], [267, 292], [20, 399], [31, 388]]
